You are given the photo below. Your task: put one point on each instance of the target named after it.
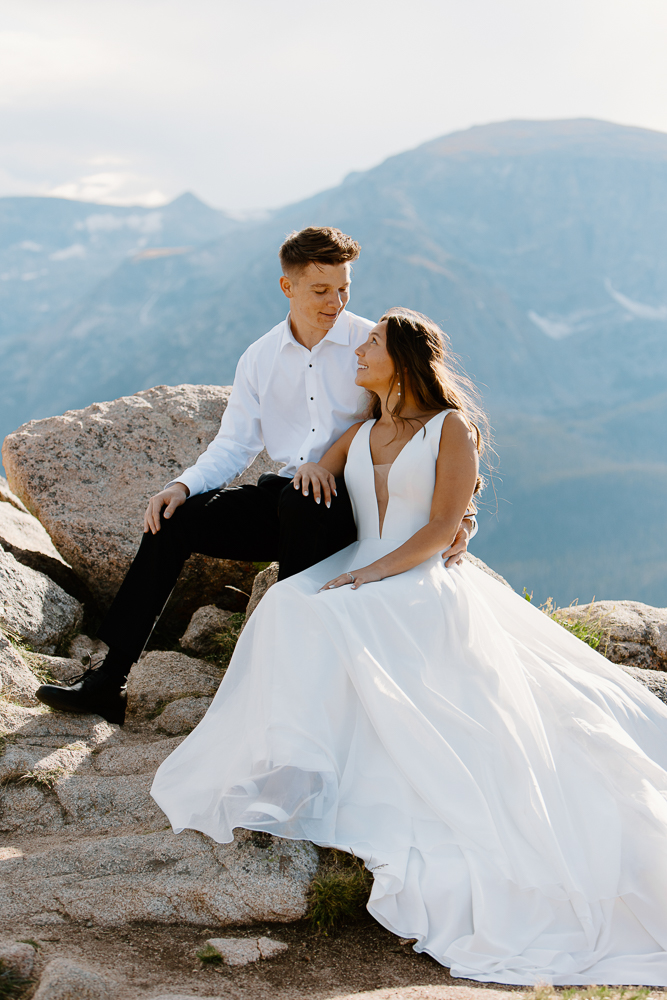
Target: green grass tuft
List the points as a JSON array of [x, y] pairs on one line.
[[591, 631], [42, 779], [223, 643], [12, 986], [339, 892], [209, 956]]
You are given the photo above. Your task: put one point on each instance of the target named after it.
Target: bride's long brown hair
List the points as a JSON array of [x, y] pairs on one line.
[[421, 352]]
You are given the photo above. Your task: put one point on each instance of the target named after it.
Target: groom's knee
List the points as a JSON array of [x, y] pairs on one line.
[[299, 509]]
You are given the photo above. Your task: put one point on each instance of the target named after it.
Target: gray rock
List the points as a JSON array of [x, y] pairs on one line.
[[17, 681], [182, 716], [264, 579], [635, 634], [18, 957], [242, 951], [15, 717], [6, 496], [26, 539], [82, 646], [64, 980], [236, 951], [66, 468], [58, 729], [204, 624], [162, 677], [34, 607], [161, 877], [486, 569], [655, 680]]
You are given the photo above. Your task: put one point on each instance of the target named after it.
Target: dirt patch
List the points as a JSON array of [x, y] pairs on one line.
[[147, 960]]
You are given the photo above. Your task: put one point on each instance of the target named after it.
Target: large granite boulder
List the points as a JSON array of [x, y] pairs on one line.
[[634, 634], [35, 608], [87, 476]]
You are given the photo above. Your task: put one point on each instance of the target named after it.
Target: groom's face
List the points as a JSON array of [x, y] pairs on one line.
[[318, 294]]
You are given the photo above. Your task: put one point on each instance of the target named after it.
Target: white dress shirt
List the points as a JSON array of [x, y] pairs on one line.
[[287, 399]]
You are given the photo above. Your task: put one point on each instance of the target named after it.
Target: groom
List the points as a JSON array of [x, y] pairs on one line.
[[294, 393]]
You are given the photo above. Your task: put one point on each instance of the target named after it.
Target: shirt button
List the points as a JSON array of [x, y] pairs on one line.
[[311, 397], [310, 366], [313, 430]]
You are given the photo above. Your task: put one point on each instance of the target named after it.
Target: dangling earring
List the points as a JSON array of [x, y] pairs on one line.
[[399, 385]]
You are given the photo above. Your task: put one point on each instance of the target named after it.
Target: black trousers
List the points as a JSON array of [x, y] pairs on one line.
[[256, 523]]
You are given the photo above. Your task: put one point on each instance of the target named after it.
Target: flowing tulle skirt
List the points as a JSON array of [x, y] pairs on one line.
[[506, 784]]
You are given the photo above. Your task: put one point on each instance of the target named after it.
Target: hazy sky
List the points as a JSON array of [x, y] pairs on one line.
[[255, 103]]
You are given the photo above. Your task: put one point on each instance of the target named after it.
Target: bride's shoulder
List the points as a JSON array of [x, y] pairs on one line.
[[456, 430]]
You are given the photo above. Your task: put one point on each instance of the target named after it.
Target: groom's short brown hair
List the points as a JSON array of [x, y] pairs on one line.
[[317, 245]]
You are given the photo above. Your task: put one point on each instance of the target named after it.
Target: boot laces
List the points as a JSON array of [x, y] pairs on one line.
[[90, 669]]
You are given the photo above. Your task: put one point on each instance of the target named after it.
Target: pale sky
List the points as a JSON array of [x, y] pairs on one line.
[[252, 104]]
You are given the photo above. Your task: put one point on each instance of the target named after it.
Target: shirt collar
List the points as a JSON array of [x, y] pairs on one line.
[[338, 334]]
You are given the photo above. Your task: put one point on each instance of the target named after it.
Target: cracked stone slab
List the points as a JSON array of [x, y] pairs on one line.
[[161, 877], [144, 758], [97, 804]]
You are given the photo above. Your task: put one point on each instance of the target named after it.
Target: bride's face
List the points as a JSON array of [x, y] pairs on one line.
[[375, 369]]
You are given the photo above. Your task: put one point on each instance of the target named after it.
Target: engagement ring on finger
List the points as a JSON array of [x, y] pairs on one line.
[[350, 576]]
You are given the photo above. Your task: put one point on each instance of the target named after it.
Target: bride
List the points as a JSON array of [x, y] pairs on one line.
[[505, 782]]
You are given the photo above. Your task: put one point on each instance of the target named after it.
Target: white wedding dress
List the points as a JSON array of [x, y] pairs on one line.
[[506, 784]]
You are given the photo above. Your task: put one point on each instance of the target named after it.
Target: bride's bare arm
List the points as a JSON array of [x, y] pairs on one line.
[[456, 474], [321, 476]]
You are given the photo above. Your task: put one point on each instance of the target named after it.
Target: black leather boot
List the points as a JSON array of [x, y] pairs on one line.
[[93, 691]]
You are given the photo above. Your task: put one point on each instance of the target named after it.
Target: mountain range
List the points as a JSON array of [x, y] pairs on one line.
[[540, 247]]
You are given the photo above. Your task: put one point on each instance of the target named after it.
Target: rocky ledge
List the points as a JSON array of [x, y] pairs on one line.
[[81, 840]]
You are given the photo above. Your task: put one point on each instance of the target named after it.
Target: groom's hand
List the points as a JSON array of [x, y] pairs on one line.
[[171, 498], [322, 481], [453, 555]]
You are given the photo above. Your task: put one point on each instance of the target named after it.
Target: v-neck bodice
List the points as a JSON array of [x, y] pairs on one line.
[[410, 483]]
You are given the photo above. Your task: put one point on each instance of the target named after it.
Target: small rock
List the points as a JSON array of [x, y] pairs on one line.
[[236, 951], [182, 716], [242, 951], [14, 717], [17, 681], [204, 624], [19, 958], [34, 607], [163, 677], [6, 496], [81, 647], [58, 725], [264, 579], [268, 948], [63, 980]]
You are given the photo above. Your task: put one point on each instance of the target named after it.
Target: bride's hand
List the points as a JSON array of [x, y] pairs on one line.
[[321, 480], [354, 579]]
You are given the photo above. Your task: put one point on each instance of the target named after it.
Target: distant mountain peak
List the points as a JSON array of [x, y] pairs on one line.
[[590, 136]]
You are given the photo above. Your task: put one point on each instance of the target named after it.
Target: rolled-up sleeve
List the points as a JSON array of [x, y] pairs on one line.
[[237, 443]]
